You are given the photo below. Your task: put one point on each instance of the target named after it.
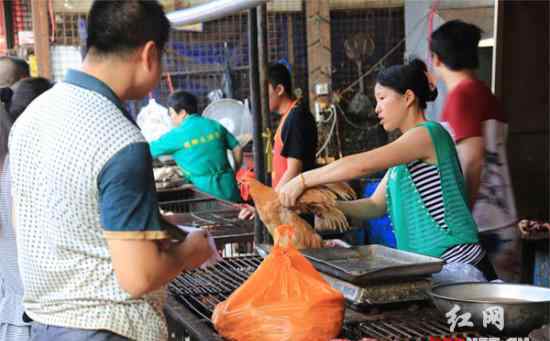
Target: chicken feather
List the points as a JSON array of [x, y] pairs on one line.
[[319, 200]]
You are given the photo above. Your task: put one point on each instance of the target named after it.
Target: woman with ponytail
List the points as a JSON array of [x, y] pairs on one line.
[[12, 326], [423, 189]]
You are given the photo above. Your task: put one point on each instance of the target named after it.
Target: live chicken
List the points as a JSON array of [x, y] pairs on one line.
[[320, 200]]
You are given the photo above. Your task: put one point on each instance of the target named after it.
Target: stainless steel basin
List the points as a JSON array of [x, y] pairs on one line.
[[496, 309]]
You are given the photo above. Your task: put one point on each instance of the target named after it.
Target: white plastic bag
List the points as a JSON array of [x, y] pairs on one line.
[[245, 134], [153, 120], [215, 258], [457, 273]]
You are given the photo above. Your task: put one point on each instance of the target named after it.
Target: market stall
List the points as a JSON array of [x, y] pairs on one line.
[[404, 311]]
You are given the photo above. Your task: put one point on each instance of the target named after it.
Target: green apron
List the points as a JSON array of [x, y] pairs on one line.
[[415, 229], [199, 147]]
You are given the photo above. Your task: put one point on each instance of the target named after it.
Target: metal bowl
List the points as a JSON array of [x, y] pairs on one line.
[[494, 308]]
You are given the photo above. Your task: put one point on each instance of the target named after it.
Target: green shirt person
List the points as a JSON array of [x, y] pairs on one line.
[[199, 146]]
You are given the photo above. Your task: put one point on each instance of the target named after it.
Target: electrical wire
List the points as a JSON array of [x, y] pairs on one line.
[[331, 132], [348, 121]]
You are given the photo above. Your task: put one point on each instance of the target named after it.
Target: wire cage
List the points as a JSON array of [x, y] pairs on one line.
[[233, 236], [15, 25], [198, 56], [381, 29], [22, 17]]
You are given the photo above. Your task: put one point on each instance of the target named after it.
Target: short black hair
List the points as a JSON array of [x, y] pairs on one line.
[[12, 69], [278, 74], [410, 76], [456, 45], [119, 27], [182, 100], [24, 92]]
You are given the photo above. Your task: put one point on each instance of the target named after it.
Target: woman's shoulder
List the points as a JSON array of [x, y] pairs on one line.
[[426, 137], [423, 130], [433, 127]]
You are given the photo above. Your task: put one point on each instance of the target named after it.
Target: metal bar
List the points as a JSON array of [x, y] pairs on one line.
[[400, 329], [210, 11], [433, 328], [198, 217], [391, 330], [239, 276], [193, 305], [224, 281], [187, 201], [255, 101], [209, 71], [372, 332], [261, 21], [263, 49]]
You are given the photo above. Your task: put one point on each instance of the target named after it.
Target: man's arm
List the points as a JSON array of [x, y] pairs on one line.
[[142, 256], [465, 111], [143, 266], [293, 168], [471, 152]]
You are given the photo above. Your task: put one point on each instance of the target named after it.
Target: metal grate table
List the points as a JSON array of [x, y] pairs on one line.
[[195, 294]]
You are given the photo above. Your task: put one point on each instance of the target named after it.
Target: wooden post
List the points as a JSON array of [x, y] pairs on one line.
[[319, 56], [290, 37], [40, 27]]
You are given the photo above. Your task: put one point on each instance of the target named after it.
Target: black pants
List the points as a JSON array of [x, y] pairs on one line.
[[486, 267]]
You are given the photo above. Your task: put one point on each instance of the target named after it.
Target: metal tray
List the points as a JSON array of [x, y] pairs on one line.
[[372, 263]]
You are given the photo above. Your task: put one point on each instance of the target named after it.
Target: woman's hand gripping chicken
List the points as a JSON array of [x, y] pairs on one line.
[[318, 200]]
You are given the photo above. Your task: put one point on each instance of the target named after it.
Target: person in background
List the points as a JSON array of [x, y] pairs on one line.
[[199, 146], [24, 92], [477, 123], [12, 326], [93, 255], [295, 142], [12, 69], [423, 189], [296, 136]]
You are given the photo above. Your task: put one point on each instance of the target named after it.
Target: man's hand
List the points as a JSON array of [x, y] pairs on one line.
[[196, 249], [143, 266]]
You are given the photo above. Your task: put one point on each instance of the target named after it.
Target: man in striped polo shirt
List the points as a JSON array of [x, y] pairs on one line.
[[93, 254]]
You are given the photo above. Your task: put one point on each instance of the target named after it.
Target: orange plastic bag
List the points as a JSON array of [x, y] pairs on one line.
[[284, 299]]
